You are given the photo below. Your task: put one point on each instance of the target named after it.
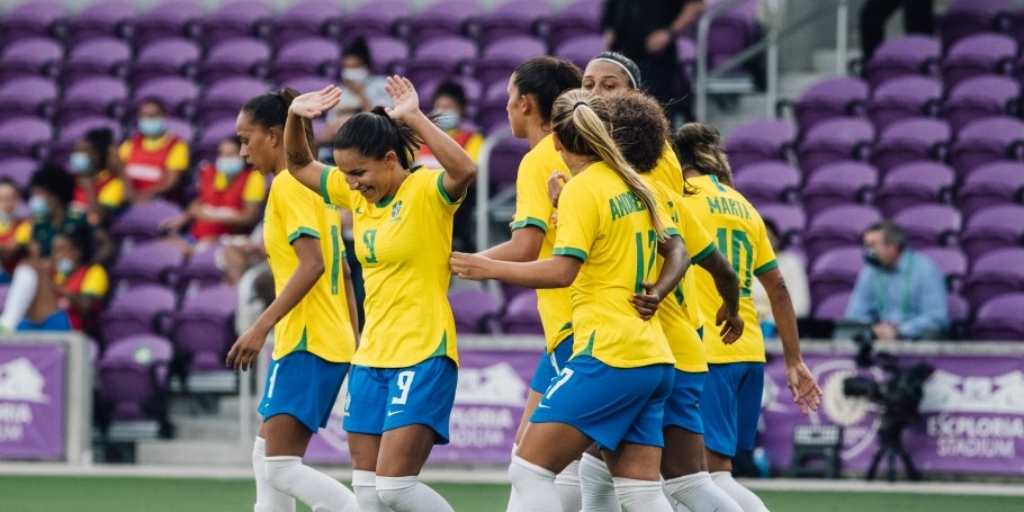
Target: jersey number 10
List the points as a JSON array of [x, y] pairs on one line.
[[733, 242]]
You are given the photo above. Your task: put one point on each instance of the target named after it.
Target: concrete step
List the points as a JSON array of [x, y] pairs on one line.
[[182, 452]]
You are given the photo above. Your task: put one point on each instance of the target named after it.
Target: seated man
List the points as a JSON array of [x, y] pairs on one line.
[[901, 292]]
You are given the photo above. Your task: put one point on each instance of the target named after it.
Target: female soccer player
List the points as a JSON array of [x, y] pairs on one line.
[[314, 332], [731, 400], [404, 375], [613, 389]]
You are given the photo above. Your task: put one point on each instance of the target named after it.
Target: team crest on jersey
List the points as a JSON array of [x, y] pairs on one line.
[[396, 211]]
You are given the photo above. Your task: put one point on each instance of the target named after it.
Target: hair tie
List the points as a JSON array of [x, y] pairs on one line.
[[578, 103]]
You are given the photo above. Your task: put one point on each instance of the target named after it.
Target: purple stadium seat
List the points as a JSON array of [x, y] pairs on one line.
[[910, 140], [951, 261], [142, 222], [912, 54], [205, 148], [835, 97], [789, 220], [513, 18], [1000, 320], [388, 53], [521, 316], [768, 182], [34, 56], [966, 18], [995, 273], [930, 224], [978, 55], [200, 271], [28, 96], [373, 19], [307, 18], [309, 56], [475, 311], [173, 18], [308, 83], [164, 58], [104, 56], [991, 184], [834, 307], [500, 58], [504, 162], [145, 263], [579, 50], [139, 310], [443, 19], [993, 228], [18, 170], [97, 96], [25, 137], [835, 140], [242, 18], [835, 271], [440, 58], [990, 139], [733, 32], [904, 97], [915, 184], [492, 114], [241, 57], [204, 329], [178, 95], [132, 374], [838, 183], [983, 96], [107, 18], [838, 226], [577, 19], [959, 312], [223, 99], [758, 141], [180, 127], [37, 18]]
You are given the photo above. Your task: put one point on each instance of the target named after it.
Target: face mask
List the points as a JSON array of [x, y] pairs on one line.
[[79, 163], [871, 257], [65, 266], [6, 218], [38, 206], [447, 120], [230, 165], [355, 74], [152, 126]]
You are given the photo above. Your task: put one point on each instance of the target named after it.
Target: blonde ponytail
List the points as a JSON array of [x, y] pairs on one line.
[[581, 121]]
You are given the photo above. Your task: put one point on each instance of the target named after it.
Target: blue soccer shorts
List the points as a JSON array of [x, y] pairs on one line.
[[304, 386], [730, 406], [550, 365], [682, 409]]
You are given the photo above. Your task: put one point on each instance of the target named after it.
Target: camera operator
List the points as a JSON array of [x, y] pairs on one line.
[[901, 292]]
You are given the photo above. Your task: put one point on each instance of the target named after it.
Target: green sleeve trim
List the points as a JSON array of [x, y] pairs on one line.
[[530, 221], [671, 231], [766, 267], [700, 256], [444, 193], [323, 185], [570, 251], [302, 231]]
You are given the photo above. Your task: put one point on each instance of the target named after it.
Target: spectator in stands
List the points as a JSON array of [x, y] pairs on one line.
[[154, 159], [15, 232], [918, 18], [229, 201], [99, 191], [901, 291], [794, 273], [361, 91], [646, 33]]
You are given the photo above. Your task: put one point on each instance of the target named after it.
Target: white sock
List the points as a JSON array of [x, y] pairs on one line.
[[597, 487], [268, 499], [568, 484], [641, 495], [747, 500], [535, 487], [24, 283], [513, 498], [407, 494], [699, 493], [364, 483], [321, 492]]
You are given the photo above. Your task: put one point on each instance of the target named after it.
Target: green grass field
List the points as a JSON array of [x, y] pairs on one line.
[[87, 494]]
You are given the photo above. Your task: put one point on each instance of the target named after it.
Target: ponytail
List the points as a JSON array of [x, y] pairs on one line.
[[374, 133], [581, 121], [270, 110], [699, 146]]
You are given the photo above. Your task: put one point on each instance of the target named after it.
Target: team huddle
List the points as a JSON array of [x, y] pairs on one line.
[[653, 371]]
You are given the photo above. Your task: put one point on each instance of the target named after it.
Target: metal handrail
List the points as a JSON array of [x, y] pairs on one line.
[[483, 187]]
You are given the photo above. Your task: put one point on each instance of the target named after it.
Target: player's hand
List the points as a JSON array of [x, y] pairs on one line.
[[244, 352], [646, 303], [657, 41], [806, 393], [469, 266], [404, 97], [732, 325], [314, 104], [556, 181]]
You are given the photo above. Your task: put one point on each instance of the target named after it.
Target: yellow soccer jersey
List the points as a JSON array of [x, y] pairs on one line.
[[603, 224], [534, 208], [741, 237], [404, 244], [675, 311], [668, 171], [320, 322]]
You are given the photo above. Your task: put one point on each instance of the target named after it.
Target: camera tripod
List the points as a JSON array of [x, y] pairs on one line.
[[890, 438]]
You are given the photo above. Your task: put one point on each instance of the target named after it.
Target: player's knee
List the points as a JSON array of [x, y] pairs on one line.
[[525, 475], [395, 491], [280, 471]]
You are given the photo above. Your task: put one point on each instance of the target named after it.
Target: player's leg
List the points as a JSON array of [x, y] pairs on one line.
[[545, 450], [20, 295], [364, 423], [596, 484], [268, 499], [568, 480], [538, 385]]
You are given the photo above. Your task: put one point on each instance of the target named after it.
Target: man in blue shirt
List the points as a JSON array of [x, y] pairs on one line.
[[901, 292]]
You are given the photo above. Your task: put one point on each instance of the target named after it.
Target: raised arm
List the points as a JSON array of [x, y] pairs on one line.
[[301, 162]]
